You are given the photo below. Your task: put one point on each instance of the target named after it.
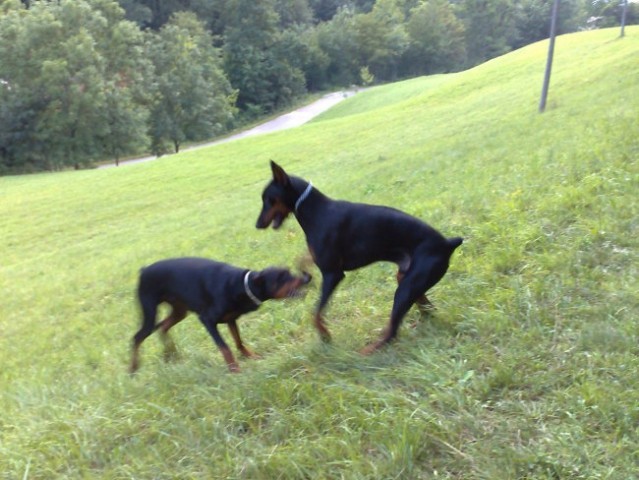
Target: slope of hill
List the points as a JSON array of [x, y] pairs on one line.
[[526, 370]]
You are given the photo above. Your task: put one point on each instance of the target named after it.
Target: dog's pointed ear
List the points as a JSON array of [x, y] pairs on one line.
[[279, 175]]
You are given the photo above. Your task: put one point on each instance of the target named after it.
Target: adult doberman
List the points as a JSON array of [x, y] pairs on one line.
[[343, 236]]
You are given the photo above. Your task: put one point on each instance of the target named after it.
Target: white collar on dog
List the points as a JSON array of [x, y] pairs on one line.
[[250, 294], [304, 195]]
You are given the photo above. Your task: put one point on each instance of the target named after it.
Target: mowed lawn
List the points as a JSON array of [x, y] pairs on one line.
[[528, 368]]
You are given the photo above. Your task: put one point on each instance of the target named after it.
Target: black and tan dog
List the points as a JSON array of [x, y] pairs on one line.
[[343, 236], [217, 292]]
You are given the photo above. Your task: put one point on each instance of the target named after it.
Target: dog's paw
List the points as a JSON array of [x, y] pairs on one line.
[[325, 336], [373, 347], [171, 354], [252, 355]]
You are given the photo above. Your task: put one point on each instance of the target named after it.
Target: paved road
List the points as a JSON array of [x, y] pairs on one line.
[[289, 120]]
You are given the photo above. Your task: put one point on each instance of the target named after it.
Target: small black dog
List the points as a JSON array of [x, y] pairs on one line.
[[343, 236], [217, 292]]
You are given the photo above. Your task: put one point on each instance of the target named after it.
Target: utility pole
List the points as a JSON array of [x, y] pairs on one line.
[[551, 50], [624, 9]]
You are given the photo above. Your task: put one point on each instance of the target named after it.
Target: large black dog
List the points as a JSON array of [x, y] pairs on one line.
[[345, 236], [217, 292]]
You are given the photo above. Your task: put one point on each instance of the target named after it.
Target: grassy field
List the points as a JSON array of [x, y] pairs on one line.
[[527, 370]]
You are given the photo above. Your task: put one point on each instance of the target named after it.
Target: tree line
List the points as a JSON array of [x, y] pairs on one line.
[[88, 80]]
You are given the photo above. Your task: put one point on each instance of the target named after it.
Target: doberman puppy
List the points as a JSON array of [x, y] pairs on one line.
[[217, 292], [344, 236]]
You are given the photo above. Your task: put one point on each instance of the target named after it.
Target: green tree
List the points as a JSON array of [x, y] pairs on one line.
[[211, 12], [311, 59], [381, 38], [532, 19], [51, 65], [436, 39], [325, 10], [55, 66], [338, 40], [608, 12], [490, 28], [194, 100], [293, 12], [153, 13], [18, 120], [137, 12], [126, 92], [256, 59]]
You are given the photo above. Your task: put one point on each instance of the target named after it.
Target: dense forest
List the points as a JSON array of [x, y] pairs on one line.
[[83, 81]]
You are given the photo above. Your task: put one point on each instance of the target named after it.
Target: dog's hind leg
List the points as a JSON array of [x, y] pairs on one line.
[[404, 298], [423, 304], [423, 273], [149, 310], [178, 313]]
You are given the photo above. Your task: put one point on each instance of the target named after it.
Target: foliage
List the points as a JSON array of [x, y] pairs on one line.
[[302, 47], [67, 81], [381, 38], [532, 19], [126, 97], [106, 105], [528, 369], [325, 10], [256, 58], [607, 13], [436, 39], [337, 39], [195, 101], [153, 13], [293, 12], [366, 76], [493, 22]]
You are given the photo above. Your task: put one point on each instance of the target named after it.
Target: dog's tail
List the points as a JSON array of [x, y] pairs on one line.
[[454, 242]]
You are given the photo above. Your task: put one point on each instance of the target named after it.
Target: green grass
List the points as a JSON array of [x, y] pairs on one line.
[[527, 370]]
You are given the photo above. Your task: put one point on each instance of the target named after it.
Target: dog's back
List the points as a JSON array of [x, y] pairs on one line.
[[358, 234], [186, 280]]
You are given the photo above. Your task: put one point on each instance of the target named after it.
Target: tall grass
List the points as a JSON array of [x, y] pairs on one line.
[[526, 370]]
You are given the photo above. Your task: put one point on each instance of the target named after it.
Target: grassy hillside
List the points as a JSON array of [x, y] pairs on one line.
[[528, 369]]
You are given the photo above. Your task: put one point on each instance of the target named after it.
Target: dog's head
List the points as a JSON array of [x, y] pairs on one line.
[[278, 283], [278, 199]]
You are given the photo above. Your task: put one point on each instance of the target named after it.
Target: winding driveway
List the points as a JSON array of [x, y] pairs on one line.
[[289, 120]]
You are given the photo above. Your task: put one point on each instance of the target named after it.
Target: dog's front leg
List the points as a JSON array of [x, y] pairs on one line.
[[330, 280], [235, 333], [210, 322]]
